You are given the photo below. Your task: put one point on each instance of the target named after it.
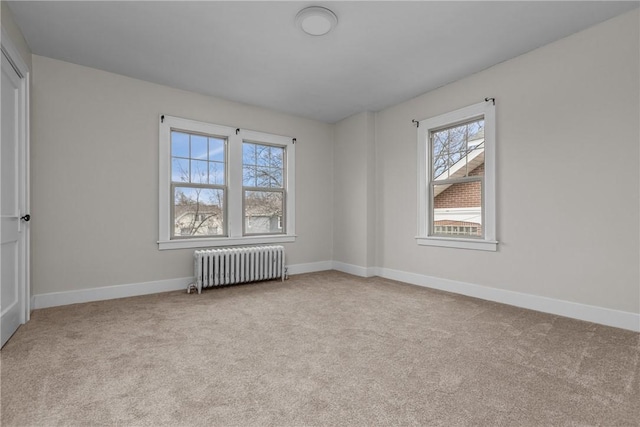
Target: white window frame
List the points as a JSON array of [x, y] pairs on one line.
[[234, 211], [425, 210]]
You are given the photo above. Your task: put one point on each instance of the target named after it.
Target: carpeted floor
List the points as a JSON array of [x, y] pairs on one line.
[[320, 349]]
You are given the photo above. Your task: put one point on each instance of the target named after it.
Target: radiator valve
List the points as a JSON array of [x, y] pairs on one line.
[[192, 288]]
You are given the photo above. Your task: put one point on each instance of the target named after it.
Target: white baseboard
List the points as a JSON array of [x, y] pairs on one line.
[[356, 270], [309, 267], [55, 299], [600, 315], [590, 313]]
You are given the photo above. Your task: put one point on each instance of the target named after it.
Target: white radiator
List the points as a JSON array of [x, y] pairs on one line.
[[228, 266]]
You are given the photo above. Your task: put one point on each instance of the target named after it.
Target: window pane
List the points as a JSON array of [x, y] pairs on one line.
[[179, 170], [277, 157], [199, 147], [198, 211], [263, 212], [216, 149], [456, 138], [441, 166], [249, 176], [199, 171], [216, 173], [276, 178], [248, 153], [457, 150], [263, 153], [263, 166], [454, 157], [179, 144], [190, 154], [457, 209], [266, 177]]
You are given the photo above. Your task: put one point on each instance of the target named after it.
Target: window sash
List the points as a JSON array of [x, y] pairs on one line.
[[190, 158], [283, 229], [446, 152], [432, 204], [172, 211], [285, 153]]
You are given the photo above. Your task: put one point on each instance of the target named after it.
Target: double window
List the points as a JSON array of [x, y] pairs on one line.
[[224, 186], [456, 184]]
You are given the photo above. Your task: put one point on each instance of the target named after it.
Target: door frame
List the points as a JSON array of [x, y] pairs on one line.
[[13, 55]]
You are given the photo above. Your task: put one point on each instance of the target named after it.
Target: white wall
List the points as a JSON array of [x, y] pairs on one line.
[[354, 192], [14, 33], [95, 176], [567, 169]]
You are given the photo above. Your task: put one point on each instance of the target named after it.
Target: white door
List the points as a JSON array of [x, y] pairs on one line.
[[13, 235]]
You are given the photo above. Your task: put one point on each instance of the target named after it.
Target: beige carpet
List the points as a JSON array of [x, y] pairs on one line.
[[320, 349]]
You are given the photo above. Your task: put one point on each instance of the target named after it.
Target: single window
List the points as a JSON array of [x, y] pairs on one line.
[[224, 186], [263, 188], [456, 180], [198, 184]]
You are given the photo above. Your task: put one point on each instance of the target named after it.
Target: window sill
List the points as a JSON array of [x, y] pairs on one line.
[[453, 242], [224, 241]]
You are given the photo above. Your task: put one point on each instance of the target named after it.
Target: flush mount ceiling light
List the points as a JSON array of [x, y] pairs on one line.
[[316, 20]]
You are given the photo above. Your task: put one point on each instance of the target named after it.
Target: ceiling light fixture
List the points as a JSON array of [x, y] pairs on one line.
[[316, 20]]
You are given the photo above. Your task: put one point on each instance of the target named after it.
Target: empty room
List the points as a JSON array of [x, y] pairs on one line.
[[349, 213]]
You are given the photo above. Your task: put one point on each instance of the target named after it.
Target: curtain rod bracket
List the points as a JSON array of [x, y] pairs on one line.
[[293, 140], [416, 122], [493, 100], [237, 131], [162, 118]]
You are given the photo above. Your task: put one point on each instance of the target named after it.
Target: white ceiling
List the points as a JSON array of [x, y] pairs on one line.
[[381, 53]]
